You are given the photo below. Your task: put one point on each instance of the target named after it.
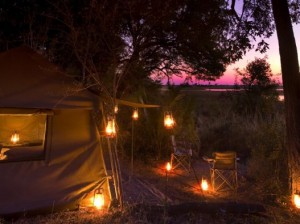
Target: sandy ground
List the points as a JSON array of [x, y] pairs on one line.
[[153, 185]]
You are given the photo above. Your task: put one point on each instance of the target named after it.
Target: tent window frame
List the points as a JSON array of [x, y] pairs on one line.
[[40, 154]]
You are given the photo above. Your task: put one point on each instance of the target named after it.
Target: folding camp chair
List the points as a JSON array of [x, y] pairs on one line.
[[223, 171], [181, 155]]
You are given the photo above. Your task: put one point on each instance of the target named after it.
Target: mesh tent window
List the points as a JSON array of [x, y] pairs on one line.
[[22, 136]]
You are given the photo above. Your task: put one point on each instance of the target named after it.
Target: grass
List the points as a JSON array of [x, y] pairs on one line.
[[133, 214]]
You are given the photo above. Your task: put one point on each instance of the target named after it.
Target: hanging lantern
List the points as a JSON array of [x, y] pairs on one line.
[[98, 198], [296, 199], [204, 184], [169, 120], [15, 137], [110, 129], [135, 114], [116, 109], [168, 167]]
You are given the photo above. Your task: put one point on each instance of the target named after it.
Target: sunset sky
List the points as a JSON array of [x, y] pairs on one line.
[[273, 58]]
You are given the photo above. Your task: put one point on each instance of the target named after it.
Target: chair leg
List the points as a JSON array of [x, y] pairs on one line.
[[221, 179], [212, 178], [183, 161], [172, 160], [236, 180]]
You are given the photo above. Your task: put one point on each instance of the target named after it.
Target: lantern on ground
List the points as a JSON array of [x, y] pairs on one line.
[[135, 114], [15, 137], [169, 121], [168, 167], [110, 129], [204, 184], [296, 200], [98, 198]]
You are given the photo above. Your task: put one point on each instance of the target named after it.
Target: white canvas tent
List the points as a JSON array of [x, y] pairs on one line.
[[58, 161]]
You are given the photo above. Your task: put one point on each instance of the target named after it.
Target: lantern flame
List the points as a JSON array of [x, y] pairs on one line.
[[168, 166], [297, 200], [98, 200], [110, 129], [15, 138], [169, 121], [135, 114], [116, 109], [204, 185]]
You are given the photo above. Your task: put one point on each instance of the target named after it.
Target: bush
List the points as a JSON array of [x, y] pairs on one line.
[[268, 162]]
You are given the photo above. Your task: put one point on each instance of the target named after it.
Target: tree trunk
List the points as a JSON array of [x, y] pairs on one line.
[[291, 85]]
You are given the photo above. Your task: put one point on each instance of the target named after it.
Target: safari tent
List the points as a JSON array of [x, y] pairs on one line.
[[51, 156]]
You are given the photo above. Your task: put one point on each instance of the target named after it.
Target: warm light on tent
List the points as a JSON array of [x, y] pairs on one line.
[[15, 138], [168, 166], [296, 199], [110, 129], [98, 199], [169, 120], [204, 184], [135, 114]]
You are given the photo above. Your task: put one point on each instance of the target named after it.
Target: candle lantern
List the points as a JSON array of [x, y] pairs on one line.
[[110, 129], [98, 198], [296, 200], [15, 137], [169, 121], [204, 184], [116, 108], [168, 166], [135, 114]]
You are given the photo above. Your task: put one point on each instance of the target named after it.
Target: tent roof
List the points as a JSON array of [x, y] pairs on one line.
[[28, 80]]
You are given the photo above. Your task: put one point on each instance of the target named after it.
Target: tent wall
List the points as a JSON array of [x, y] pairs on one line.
[[72, 168]]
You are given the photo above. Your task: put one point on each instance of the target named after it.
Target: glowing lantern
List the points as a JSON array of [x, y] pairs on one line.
[[110, 129], [168, 167], [204, 184], [116, 109], [98, 199], [297, 200], [135, 114], [169, 120], [15, 138]]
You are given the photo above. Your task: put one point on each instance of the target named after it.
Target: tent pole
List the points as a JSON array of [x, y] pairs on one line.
[[118, 175]]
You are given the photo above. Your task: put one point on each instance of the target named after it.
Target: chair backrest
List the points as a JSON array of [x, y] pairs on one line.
[[173, 142], [180, 146], [224, 160]]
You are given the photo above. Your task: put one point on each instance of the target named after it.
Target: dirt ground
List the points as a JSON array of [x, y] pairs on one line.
[[153, 196], [149, 184]]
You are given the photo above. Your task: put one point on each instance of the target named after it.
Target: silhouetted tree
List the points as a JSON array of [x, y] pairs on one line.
[[260, 93], [291, 82], [257, 75]]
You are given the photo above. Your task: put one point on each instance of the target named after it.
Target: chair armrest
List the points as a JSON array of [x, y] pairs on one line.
[[209, 160]]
